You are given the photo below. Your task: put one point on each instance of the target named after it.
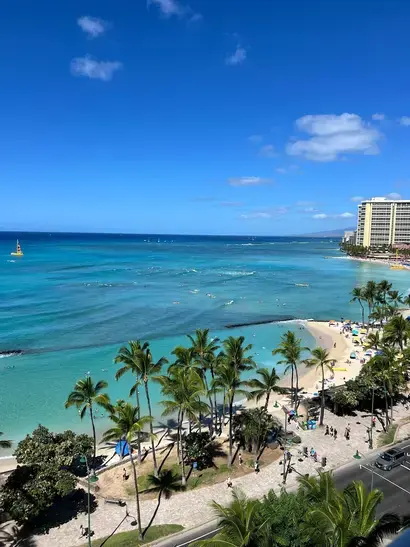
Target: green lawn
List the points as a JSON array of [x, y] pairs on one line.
[[130, 539], [387, 438]]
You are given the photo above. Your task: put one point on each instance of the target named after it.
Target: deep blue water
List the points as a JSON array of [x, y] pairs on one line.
[[73, 299]]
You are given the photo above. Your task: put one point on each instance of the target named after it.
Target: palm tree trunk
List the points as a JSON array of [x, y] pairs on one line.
[[215, 403], [178, 434], [223, 411], [94, 435], [183, 477], [230, 430], [386, 409], [322, 403], [297, 389], [154, 514], [368, 317], [154, 456], [267, 400], [137, 494], [211, 405], [361, 305], [391, 409], [137, 396], [292, 391]]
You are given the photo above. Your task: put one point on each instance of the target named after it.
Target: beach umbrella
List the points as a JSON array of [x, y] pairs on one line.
[[353, 355], [368, 353], [355, 332]]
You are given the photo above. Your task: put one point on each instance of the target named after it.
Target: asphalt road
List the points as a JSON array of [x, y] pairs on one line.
[[394, 484]]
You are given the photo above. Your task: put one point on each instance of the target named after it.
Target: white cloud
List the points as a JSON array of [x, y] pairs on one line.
[[357, 199], [238, 57], [331, 136], [393, 195], [267, 151], [255, 139], [231, 204], [257, 214], [309, 209], [248, 181], [168, 8], [281, 170], [321, 216], [404, 120], [93, 26], [378, 116], [96, 70]]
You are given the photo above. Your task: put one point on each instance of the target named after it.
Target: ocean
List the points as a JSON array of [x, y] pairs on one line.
[[73, 299]]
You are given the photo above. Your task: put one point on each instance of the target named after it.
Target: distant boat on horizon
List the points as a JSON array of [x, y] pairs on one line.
[[18, 251]]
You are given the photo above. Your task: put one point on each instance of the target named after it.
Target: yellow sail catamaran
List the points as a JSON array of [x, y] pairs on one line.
[[18, 251]]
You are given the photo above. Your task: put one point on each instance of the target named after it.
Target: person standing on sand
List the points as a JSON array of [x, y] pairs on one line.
[[335, 434]]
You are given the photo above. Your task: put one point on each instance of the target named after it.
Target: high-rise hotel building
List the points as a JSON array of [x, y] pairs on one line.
[[382, 221]]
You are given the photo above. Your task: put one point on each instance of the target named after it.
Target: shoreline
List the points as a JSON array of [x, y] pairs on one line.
[[384, 261], [309, 379]]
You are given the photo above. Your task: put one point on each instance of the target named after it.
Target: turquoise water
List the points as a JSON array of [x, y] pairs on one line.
[[73, 299]]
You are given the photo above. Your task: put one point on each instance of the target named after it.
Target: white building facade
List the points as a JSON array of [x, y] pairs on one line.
[[382, 221]]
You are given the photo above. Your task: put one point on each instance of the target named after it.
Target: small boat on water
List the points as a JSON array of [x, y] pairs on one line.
[[397, 265], [18, 251], [302, 284]]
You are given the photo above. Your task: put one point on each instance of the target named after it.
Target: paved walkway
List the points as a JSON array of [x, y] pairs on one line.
[[192, 508]]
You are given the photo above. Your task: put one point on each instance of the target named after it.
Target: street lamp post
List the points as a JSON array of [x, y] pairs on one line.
[[358, 456], [93, 478]]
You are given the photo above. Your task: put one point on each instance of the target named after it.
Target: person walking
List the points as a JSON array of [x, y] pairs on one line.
[[335, 434], [257, 466], [229, 482], [327, 430], [331, 431], [240, 460]]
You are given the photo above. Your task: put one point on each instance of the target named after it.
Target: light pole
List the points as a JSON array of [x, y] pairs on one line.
[[93, 478], [358, 456]]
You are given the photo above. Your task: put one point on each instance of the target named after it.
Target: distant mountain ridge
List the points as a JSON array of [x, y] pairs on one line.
[[330, 233]]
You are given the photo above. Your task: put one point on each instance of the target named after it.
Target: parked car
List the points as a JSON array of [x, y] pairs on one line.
[[391, 458]]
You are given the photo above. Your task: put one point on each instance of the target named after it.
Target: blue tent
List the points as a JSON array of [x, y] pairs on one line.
[[122, 449]]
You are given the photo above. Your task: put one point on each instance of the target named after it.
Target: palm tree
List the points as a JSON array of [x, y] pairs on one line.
[[395, 298], [370, 293], [382, 290], [373, 340], [358, 296], [397, 331], [147, 369], [349, 517], [4, 443], [406, 301], [184, 387], [379, 314], [389, 373], [127, 424], [85, 395], [318, 489], [204, 349], [165, 484], [320, 360], [228, 381], [130, 359], [238, 523], [291, 350], [265, 386]]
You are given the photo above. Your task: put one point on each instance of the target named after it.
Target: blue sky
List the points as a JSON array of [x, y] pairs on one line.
[[208, 116]]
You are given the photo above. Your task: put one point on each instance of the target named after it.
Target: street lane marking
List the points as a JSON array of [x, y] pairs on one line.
[[199, 537], [384, 478], [408, 468]]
